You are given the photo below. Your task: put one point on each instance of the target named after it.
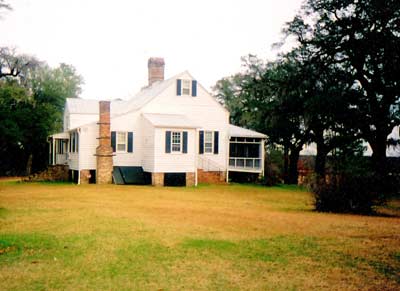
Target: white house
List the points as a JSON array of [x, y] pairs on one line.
[[391, 151], [173, 132]]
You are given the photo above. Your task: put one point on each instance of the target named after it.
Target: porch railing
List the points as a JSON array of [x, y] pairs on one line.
[[245, 163], [60, 159]]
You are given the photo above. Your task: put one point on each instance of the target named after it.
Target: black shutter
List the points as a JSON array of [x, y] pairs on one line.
[[178, 87], [113, 140], [194, 88], [216, 142], [185, 141], [77, 142], [130, 142], [70, 143], [73, 142], [201, 142], [167, 142]]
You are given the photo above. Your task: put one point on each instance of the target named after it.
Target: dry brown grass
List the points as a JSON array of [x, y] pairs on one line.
[[207, 238]]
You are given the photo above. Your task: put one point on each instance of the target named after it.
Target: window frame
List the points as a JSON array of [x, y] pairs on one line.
[[189, 87], [176, 143], [118, 142], [73, 146], [209, 142]]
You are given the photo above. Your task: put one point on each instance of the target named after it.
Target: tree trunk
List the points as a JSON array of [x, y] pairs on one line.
[[379, 163], [320, 161], [379, 166], [28, 169], [293, 161], [286, 165]]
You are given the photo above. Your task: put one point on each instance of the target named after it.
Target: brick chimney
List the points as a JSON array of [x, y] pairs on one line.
[[104, 152], [156, 70]]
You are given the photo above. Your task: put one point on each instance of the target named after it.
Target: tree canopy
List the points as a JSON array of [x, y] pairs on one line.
[[32, 98], [339, 83], [361, 40]]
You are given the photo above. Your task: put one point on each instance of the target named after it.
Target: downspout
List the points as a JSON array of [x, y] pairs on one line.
[[227, 159], [196, 157], [262, 156], [78, 130], [53, 152]]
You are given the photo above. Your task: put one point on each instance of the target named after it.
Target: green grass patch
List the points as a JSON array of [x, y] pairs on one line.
[[228, 237], [280, 249], [25, 246]]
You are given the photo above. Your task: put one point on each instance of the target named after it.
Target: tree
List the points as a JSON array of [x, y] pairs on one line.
[[361, 39], [264, 97], [4, 5], [32, 97], [17, 66], [15, 108]]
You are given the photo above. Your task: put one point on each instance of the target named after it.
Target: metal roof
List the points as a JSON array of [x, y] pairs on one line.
[[82, 106], [169, 120], [91, 106], [236, 131], [87, 106]]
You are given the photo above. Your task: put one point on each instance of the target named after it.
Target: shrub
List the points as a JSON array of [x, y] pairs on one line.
[[351, 187], [273, 166], [346, 193]]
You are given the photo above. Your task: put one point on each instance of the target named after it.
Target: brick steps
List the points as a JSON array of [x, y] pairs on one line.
[[212, 177]]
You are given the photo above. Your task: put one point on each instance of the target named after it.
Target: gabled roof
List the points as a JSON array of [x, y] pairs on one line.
[[169, 120], [82, 106], [88, 106], [149, 93], [236, 131]]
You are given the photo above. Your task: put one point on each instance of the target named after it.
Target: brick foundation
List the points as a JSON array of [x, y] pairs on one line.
[[84, 176], [211, 177], [157, 179], [190, 179]]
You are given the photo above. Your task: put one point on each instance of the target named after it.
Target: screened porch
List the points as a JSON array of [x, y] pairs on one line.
[[246, 150], [58, 148], [246, 154]]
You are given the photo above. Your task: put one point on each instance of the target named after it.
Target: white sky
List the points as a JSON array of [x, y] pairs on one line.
[[109, 42]]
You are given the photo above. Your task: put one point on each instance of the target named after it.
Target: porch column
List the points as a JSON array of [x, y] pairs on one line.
[[262, 144], [53, 143]]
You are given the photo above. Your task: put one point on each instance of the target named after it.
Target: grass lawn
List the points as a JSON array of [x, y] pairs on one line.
[[233, 237]]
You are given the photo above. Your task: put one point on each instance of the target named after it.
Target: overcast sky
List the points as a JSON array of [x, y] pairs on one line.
[[109, 42]]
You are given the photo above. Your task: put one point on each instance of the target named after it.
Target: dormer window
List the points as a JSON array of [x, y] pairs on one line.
[[186, 87]]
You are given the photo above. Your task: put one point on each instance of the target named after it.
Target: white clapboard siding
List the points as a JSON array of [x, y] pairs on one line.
[[128, 123], [148, 142], [73, 161], [88, 143], [203, 110], [66, 117], [174, 162], [77, 120]]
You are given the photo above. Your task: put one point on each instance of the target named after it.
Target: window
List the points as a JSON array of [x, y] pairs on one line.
[[208, 142], [73, 142], [176, 141], [121, 141], [186, 87], [60, 146]]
